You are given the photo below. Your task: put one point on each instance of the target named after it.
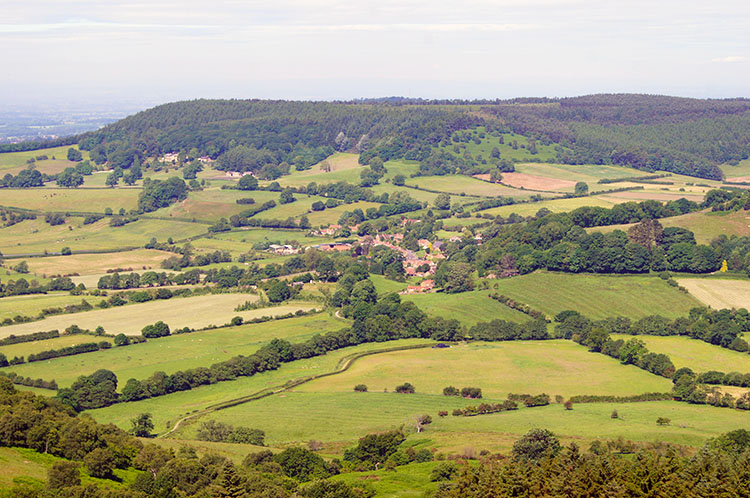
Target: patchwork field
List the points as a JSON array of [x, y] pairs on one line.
[[597, 296], [692, 353], [719, 293], [214, 204], [194, 312], [466, 307], [36, 236], [168, 354]]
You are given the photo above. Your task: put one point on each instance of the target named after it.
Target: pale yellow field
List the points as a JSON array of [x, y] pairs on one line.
[[91, 264], [195, 312], [719, 293]]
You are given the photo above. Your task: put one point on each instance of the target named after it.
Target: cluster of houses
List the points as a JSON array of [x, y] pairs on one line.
[[173, 157]]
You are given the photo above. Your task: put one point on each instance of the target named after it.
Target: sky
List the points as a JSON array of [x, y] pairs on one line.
[[110, 51]]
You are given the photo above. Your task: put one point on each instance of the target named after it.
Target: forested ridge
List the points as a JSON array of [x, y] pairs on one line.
[[686, 136]]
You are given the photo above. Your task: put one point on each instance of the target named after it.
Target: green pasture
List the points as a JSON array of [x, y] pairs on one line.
[[706, 225], [70, 199], [589, 173], [555, 367], [466, 307], [194, 312], [172, 353], [411, 480], [214, 204], [739, 170], [32, 304], [168, 409], [384, 285], [344, 168], [332, 215], [36, 236], [554, 205], [26, 466], [7, 274], [13, 162], [694, 354], [597, 296]]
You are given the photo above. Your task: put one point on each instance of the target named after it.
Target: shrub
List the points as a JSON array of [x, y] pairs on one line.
[[471, 392], [405, 388], [663, 421], [360, 388], [450, 391], [568, 405], [158, 329], [614, 414]]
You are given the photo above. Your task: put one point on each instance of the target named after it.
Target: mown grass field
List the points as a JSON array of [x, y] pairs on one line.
[[466, 307], [36, 236], [168, 409], [194, 312], [90, 264], [68, 199], [740, 170], [555, 367], [597, 296], [169, 354], [32, 304], [719, 293], [691, 353], [589, 173]]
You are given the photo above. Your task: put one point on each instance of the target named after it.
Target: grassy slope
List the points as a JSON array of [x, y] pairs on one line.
[[168, 409], [467, 307], [554, 367], [597, 296], [697, 355], [66, 199], [13, 162], [554, 205], [405, 481], [457, 184], [36, 236], [169, 354]]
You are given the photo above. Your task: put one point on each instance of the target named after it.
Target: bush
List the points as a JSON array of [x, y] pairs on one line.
[[405, 388], [360, 388], [471, 392], [450, 391], [158, 329], [663, 421]]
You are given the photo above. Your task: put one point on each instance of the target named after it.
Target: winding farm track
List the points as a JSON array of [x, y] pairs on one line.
[[344, 364]]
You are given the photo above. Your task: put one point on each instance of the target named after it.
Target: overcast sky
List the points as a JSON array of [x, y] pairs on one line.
[[158, 51]]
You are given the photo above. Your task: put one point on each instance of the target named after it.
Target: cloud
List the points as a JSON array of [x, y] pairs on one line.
[[730, 59]]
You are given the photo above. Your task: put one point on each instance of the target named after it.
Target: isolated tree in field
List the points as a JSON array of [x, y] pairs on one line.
[[451, 391], [568, 405], [142, 425], [663, 421], [325, 166], [581, 188], [286, 197], [158, 329], [496, 176], [360, 388], [399, 180], [247, 182], [442, 201]]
